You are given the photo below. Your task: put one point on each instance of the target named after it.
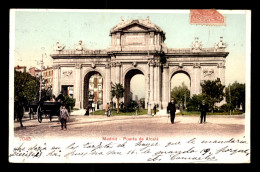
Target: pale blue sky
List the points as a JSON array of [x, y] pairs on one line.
[[34, 30]]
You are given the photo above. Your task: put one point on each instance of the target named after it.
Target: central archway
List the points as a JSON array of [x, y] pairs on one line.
[[127, 83], [93, 89], [180, 80]]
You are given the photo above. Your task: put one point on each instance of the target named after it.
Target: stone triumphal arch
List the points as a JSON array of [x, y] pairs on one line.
[[137, 47]]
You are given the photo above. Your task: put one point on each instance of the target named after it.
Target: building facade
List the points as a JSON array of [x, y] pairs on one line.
[[47, 76], [95, 93], [35, 71], [137, 47]]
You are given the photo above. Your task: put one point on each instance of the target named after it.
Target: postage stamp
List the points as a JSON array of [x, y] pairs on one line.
[[106, 86], [206, 17]]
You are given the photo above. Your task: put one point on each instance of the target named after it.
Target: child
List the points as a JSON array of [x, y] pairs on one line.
[[64, 116]]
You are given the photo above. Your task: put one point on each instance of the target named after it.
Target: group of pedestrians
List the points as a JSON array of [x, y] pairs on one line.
[[172, 109]]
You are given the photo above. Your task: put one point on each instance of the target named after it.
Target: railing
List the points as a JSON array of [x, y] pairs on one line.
[[80, 52], [169, 50], [189, 50]]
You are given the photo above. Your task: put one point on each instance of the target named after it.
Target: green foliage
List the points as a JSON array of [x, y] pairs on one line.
[[25, 85], [194, 103], [213, 90], [132, 107], [69, 102], [118, 92], [46, 94], [225, 107], [179, 93], [142, 101], [237, 92]]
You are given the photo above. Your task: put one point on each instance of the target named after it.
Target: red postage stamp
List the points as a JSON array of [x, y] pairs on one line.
[[206, 17]]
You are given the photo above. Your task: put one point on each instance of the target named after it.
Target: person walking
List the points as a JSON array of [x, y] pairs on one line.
[[108, 110], [87, 111], [203, 110], [154, 110], [172, 109], [64, 116]]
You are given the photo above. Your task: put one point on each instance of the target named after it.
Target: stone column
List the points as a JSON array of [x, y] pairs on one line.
[[149, 90], [118, 72], [151, 82], [113, 72], [56, 80], [157, 80], [196, 75], [107, 85], [147, 85], [165, 86], [221, 72], [160, 85], [77, 86]]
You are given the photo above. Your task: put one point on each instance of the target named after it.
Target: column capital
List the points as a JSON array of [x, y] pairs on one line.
[[166, 65], [56, 66], [196, 65], [113, 64], [107, 66], [221, 65], [158, 64], [118, 64], [78, 65], [150, 63]]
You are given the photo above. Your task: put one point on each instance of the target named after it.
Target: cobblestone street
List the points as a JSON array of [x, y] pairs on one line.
[[97, 126]]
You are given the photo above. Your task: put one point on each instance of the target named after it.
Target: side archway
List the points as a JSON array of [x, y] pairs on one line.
[[93, 89]]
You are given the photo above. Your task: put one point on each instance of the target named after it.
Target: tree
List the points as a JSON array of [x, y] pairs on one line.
[[194, 103], [213, 91], [25, 86], [180, 93], [237, 92], [118, 92], [69, 102]]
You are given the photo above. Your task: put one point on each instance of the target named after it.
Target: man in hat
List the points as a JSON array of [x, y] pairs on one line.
[[203, 110], [172, 109]]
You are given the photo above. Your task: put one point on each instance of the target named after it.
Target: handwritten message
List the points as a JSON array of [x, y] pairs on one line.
[[133, 150]]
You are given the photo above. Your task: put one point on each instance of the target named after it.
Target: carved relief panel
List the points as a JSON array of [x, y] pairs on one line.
[[208, 73], [67, 76]]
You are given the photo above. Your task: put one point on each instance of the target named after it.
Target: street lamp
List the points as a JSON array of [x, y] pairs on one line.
[[40, 90], [230, 100]]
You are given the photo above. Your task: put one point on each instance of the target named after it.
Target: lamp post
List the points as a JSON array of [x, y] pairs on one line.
[[230, 101], [40, 90]]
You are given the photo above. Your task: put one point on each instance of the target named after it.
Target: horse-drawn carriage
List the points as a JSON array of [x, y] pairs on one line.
[[44, 108], [33, 109]]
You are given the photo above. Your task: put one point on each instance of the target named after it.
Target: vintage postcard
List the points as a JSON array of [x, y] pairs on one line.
[[129, 86]]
